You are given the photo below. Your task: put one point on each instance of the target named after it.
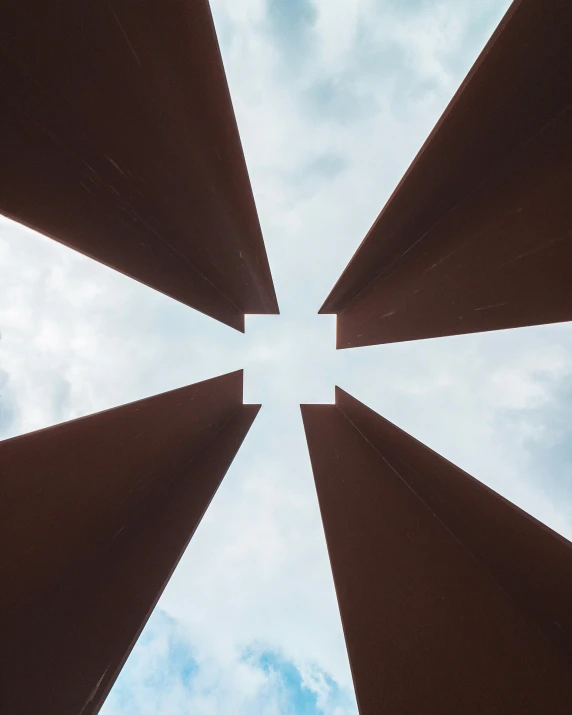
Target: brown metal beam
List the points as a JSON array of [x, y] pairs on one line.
[[94, 516], [452, 599], [477, 236], [118, 138]]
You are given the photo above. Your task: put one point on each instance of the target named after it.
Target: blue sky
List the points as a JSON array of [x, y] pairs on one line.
[[333, 100]]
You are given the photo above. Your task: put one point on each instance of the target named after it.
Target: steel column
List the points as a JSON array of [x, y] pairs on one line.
[[94, 516], [452, 599], [118, 138], [478, 234]]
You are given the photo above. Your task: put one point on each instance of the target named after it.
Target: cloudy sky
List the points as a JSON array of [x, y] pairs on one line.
[[333, 100]]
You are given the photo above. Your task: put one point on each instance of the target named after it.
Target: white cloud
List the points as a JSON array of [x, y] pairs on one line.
[[476, 399], [78, 337]]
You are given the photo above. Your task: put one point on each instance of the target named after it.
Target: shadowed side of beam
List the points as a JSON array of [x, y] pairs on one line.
[[427, 627], [118, 139], [477, 236], [86, 572]]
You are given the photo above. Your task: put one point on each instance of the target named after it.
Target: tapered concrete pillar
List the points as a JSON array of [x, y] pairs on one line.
[[477, 235], [94, 516], [452, 599], [118, 138]]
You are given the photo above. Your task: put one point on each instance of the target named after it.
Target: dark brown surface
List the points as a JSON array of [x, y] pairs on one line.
[[118, 138], [95, 514], [530, 561], [478, 234], [443, 586]]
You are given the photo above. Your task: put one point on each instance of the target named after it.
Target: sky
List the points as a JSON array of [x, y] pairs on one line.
[[333, 99]]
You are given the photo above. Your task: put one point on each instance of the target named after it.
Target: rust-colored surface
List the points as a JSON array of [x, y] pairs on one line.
[[477, 236], [452, 599], [118, 138], [94, 516]]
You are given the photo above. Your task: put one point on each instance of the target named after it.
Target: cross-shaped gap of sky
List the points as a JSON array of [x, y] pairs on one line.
[[290, 359]]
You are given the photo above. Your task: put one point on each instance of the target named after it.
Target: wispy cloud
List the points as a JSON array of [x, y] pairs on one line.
[[166, 675]]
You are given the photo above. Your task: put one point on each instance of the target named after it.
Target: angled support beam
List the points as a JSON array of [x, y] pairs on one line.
[[118, 138], [94, 516], [477, 236], [452, 599]]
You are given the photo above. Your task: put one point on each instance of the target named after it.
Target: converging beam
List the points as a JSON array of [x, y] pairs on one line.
[[118, 138], [94, 516], [478, 234], [452, 599]]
